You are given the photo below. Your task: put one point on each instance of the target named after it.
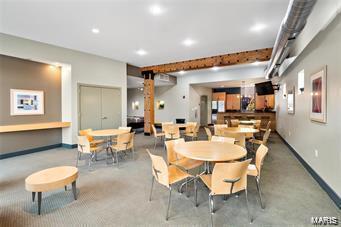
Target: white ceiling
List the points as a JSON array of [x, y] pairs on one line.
[[217, 26], [233, 83]]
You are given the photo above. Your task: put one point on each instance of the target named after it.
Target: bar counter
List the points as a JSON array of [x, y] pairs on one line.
[[264, 116]]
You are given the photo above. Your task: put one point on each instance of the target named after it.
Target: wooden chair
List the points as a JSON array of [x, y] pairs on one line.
[[247, 135], [93, 142], [223, 139], [192, 131], [127, 129], [171, 131], [239, 138], [208, 133], [175, 159], [261, 142], [268, 125], [84, 147], [125, 142], [255, 169], [165, 123], [166, 176], [234, 122], [157, 135], [226, 179], [218, 129]]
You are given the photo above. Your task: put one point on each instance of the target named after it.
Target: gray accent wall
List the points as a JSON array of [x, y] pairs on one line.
[[18, 73], [318, 144]]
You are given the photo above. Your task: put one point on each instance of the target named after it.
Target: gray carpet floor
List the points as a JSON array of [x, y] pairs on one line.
[[111, 196]]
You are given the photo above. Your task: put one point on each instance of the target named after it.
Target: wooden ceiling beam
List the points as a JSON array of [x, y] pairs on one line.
[[221, 60]]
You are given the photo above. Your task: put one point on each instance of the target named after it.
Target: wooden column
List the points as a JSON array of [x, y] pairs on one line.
[[148, 101]]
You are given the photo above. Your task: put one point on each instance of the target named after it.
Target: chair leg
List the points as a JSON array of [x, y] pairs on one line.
[[195, 193], [33, 196], [90, 160], [169, 201], [155, 143], [259, 193], [117, 158], [78, 157], [211, 207], [247, 205], [151, 190]]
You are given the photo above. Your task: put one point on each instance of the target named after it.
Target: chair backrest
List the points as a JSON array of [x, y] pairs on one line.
[[190, 127], [257, 124], [128, 129], [266, 136], [223, 173], [85, 132], [223, 139], [171, 131], [268, 125], [131, 142], [234, 122], [208, 133], [239, 137], [165, 123], [159, 169], [83, 144], [124, 141], [172, 156], [218, 129], [260, 155], [154, 131]]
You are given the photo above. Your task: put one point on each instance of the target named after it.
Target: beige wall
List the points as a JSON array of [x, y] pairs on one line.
[[84, 69], [317, 143], [17, 73]]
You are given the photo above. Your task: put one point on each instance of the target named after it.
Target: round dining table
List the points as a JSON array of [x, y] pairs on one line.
[[247, 122], [242, 130], [210, 151], [108, 134]]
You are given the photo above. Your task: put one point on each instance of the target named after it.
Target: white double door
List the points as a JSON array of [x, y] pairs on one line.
[[100, 108]]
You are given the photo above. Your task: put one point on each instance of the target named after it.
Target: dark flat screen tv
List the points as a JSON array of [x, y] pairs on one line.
[[264, 88]]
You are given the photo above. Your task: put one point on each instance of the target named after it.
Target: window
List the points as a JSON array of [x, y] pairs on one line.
[[301, 82]]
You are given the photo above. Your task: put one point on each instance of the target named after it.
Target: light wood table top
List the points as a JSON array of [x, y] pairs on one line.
[[50, 179], [210, 151], [107, 132], [245, 122], [240, 130]]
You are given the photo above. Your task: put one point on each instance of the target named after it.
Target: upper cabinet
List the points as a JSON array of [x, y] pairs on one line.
[[232, 102]]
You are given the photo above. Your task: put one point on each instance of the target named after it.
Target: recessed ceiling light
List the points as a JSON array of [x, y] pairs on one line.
[[258, 27], [95, 30], [256, 63], [222, 86], [156, 10], [188, 42], [215, 68], [141, 52], [182, 72]]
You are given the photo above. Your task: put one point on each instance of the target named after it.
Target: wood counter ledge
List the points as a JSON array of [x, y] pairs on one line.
[[34, 126]]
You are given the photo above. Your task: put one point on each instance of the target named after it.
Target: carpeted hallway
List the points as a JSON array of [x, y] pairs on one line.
[[111, 196]]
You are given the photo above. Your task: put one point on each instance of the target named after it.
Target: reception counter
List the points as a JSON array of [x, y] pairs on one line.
[[264, 116]]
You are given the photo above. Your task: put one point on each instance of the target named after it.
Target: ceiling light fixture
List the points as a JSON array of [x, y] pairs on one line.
[[258, 27], [182, 72], [156, 10], [95, 30], [141, 52], [188, 42], [215, 68], [256, 63]]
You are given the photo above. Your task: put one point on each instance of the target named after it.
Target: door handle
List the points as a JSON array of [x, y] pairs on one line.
[[104, 118]]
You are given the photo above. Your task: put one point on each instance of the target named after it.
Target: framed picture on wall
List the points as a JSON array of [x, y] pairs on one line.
[[291, 101], [27, 102], [318, 107]]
